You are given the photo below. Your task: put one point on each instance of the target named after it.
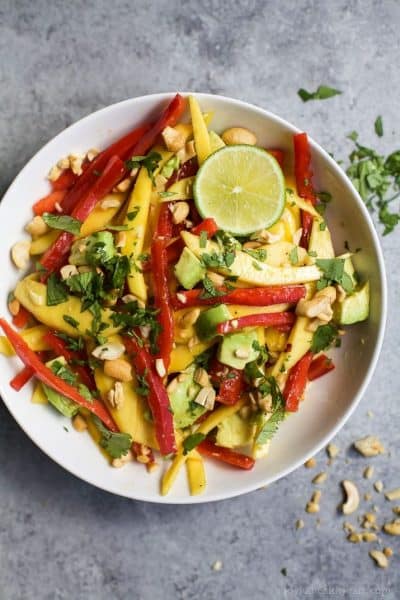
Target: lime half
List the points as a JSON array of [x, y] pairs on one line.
[[242, 188]]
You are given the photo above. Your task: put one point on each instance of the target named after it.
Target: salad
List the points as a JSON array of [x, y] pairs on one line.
[[180, 290]]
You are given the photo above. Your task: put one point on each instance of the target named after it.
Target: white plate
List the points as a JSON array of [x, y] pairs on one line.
[[329, 402]]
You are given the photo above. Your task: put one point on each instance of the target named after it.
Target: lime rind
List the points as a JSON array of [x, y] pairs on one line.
[[242, 187]]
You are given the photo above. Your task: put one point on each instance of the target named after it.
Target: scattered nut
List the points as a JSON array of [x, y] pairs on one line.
[[201, 377], [92, 153], [75, 163], [54, 173], [313, 504], [320, 478], [368, 472], [68, 271], [110, 202], [349, 527], [217, 279], [388, 552], [160, 367], [120, 239], [378, 485], [319, 306], [20, 254], [189, 318], [118, 369], [14, 306], [116, 396], [393, 528], [393, 494], [332, 450], [355, 538], [367, 497], [109, 351], [173, 139], [396, 510], [241, 353], [239, 135], [79, 423], [310, 463], [124, 185], [217, 566], [206, 397], [369, 446], [299, 524], [123, 460], [353, 497], [251, 245], [63, 163], [37, 227], [380, 558], [180, 211]]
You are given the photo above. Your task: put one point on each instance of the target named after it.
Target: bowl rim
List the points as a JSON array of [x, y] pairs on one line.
[[340, 174]]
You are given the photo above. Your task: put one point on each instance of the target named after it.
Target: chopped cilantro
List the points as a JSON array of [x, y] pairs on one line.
[[333, 272], [63, 222], [115, 444], [322, 226], [142, 387], [75, 344], [149, 162], [192, 441], [71, 321], [63, 372], [324, 337], [170, 166], [203, 239], [271, 426], [378, 125], [210, 291], [133, 213], [294, 256], [166, 194], [257, 253], [322, 93]]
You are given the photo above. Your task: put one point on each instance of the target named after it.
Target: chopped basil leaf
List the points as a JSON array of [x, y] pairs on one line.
[[322, 93], [192, 441], [56, 292], [63, 222]]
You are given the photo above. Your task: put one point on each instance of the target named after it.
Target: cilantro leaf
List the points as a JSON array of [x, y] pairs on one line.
[[71, 321], [133, 213], [257, 253], [170, 166], [322, 93], [115, 444], [63, 222], [149, 162], [56, 292], [324, 337], [210, 291], [271, 426], [192, 441], [333, 271], [378, 125]]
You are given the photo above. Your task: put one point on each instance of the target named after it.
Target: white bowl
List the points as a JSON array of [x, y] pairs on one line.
[[329, 402]]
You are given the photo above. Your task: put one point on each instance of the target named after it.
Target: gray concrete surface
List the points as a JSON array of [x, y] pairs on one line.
[[61, 538]]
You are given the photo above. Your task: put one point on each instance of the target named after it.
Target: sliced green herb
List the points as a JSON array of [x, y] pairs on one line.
[[63, 222], [294, 256], [192, 441], [324, 337], [56, 291], [322, 93], [378, 125], [115, 444]]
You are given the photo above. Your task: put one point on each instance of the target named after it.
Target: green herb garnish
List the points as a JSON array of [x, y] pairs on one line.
[[192, 441], [322, 93], [149, 162], [324, 337], [378, 125], [294, 256], [56, 291], [115, 444], [333, 272], [63, 222]]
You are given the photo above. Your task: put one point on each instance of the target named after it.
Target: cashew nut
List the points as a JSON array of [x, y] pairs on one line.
[[68, 271], [79, 423], [118, 369], [20, 254], [380, 558], [353, 497], [393, 528], [37, 226], [116, 395], [239, 135], [206, 397], [173, 139], [369, 446], [319, 306], [109, 351], [180, 211]]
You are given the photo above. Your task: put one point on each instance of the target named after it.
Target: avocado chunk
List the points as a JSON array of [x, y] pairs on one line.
[[209, 319], [354, 308], [238, 349], [182, 396], [95, 249], [188, 269], [64, 405], [235, 431]]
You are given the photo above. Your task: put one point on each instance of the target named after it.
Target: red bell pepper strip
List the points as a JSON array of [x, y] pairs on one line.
[[65, 181], [164, 223], [56, 255], [274, 294], [168, 118], [303, 174], [21, 378], [279, 155], [320, 366], [188, 169], [73, 358], [296, 383], [165, 317], [22, 317], [279, 319], [226, 455], [46, 375], [121, 148], [48, 203], [208, 225], [157, 397]]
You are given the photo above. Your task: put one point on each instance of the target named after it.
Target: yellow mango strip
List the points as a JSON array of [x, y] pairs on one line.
[[299, 342], [182, 357], [212, 421], [251, 271], [38, 396], [291, 221], [181, 190], [32, 295], [237, 310], [42, 243], [186, 128], [5, 347], [276, 340], [33, 336], [200, 131], [196, 473], [139, 203], [302, 204], [96, 436], [100, 217], [279, 230]]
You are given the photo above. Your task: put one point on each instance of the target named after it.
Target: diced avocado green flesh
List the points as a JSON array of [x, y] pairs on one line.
[[235, 431], [188, 269], [349, 268], [94, 249], [185, 410], [209, 319], [354, 308], [64, 405], [237, 349]]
